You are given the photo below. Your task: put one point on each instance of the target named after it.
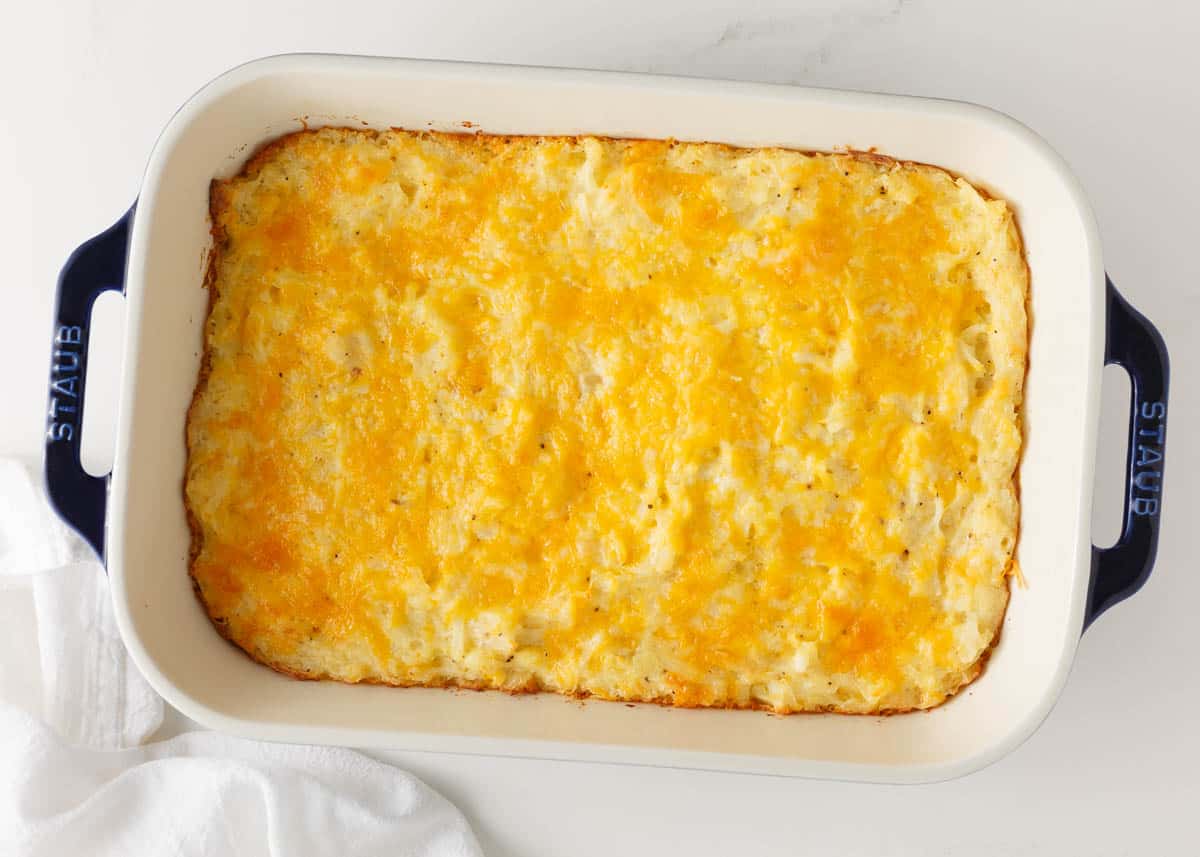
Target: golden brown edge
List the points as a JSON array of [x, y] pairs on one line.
[[218, 202]]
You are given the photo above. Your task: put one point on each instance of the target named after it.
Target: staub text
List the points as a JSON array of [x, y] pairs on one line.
[[1145, 486], [64, 384]]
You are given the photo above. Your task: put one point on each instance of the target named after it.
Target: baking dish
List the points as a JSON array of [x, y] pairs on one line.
[[135, 520]]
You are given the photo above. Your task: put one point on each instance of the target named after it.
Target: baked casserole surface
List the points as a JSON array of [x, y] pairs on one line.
[[642, 420]]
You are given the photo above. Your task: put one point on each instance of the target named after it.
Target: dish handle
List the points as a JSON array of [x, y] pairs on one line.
[[95, 267], [1133, 343]]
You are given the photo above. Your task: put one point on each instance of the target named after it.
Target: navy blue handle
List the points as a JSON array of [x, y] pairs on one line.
[[1134, 344], [95, 267]]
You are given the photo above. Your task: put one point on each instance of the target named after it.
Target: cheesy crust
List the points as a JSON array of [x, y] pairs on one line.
[[635, 419]]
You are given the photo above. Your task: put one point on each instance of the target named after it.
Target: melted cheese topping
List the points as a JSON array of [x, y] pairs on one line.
[[637, 419]]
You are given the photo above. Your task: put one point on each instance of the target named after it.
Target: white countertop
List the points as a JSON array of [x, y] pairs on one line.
[[1111, 85]]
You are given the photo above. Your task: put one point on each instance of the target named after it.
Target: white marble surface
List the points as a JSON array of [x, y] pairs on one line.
[[1112, 85]]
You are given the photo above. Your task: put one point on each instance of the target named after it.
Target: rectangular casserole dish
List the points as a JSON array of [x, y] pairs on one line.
[[135, 518]]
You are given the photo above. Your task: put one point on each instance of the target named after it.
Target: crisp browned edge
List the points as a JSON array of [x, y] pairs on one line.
[[217, 204]]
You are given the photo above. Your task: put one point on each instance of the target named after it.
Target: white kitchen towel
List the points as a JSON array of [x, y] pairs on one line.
[[205, 794], [32, 538], [73, 779], [91, 693]]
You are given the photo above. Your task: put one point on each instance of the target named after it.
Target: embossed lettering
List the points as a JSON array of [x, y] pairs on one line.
[[1159, 434], [60, 431], [66, 361], [1148, 480], [66, 386], [1145, 506], [1153, 410], [1147, 455]]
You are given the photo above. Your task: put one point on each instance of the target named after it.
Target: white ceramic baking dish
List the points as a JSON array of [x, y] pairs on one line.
[[156, 256]]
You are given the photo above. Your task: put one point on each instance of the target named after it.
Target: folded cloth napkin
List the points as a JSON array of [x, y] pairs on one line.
[[91, 693], [75, 777], [206, 794]]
